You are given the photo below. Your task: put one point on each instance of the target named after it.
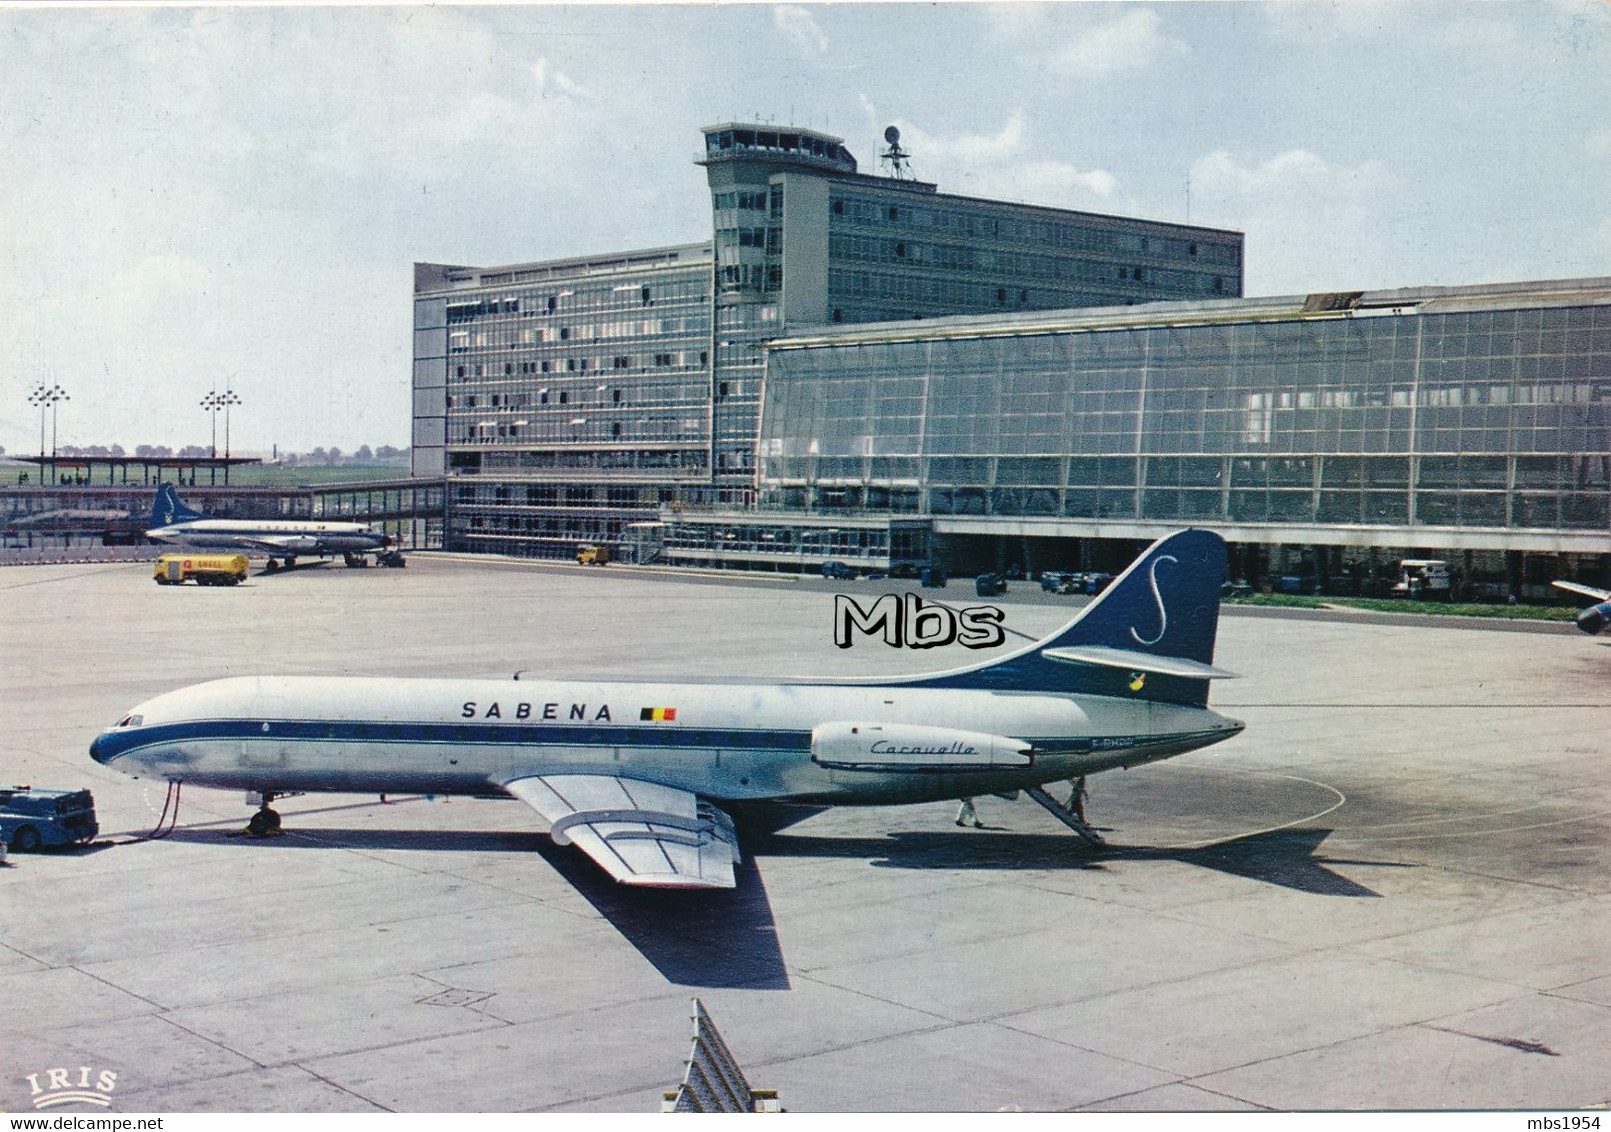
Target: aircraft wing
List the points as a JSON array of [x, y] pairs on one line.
[[1584, 591], [640, 833], [285, 544]]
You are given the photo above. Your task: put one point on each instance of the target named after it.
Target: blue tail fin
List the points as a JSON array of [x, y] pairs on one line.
[[167, 510], [1149, 635]]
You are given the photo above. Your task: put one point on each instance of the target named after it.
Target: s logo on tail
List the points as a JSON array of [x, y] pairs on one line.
[[1163, 612]]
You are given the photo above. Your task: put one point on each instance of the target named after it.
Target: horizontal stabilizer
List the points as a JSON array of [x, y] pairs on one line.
[[1106, 657], [641, 833]]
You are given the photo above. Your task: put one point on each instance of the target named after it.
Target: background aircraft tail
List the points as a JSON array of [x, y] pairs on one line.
[[1149, 635], [167, 509]]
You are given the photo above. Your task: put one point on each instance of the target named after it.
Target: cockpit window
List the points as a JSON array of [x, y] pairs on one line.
[[131, 721]]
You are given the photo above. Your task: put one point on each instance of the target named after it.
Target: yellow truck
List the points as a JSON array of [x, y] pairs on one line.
[[593, 554], [203, 569]]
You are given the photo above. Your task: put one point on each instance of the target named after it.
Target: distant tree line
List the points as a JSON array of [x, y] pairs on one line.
[[385, 454]]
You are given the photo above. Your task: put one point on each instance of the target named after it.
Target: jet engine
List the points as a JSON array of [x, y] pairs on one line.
[[1594, 618], [885, 746]]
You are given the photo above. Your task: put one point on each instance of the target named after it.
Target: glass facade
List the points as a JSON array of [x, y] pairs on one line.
[[1485, 408]]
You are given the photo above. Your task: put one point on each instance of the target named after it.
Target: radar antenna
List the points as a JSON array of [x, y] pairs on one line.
[[895, 158]]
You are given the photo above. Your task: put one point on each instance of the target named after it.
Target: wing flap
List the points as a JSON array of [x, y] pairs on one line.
[[299, 544], [641, 833]]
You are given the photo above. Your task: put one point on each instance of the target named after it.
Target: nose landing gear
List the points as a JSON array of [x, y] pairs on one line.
[[266, 822]]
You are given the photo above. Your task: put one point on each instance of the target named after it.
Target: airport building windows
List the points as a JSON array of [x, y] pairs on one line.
[[1416, 415]]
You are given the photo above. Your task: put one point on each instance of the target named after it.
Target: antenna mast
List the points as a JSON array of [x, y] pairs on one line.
[[895, 159]]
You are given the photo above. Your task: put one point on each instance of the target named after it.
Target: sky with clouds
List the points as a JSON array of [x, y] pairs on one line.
[[227, 194]]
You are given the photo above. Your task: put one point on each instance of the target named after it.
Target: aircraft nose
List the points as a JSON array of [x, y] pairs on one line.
[[99, 750]]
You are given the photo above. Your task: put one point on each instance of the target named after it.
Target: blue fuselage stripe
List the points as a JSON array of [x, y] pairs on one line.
[[113, 744]]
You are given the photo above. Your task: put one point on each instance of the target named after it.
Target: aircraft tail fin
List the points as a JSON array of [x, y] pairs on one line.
[[1149, 635], [167, 509]]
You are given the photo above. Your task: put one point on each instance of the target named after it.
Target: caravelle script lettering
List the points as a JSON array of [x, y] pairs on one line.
[[885, 747]]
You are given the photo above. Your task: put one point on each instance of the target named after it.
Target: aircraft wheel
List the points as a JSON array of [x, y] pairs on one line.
[[26, 840], [264, 823], [273, 565]]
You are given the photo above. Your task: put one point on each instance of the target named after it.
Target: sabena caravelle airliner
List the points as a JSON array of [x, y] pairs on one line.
[[635, 773], [173, 522]]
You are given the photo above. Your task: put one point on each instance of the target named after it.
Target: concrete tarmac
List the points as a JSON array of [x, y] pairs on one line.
[[1392, 891]]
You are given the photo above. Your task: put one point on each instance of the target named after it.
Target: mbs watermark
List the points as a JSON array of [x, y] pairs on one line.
[[907, 621]]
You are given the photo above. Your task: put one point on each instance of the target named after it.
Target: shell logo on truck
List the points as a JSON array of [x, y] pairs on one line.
[[203, 569]]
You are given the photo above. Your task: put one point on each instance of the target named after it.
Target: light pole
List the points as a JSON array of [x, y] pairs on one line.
[[47, 396], [229, 398], [212, 403]]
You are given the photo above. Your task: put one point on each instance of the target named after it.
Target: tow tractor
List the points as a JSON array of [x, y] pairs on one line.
[[32, 818]]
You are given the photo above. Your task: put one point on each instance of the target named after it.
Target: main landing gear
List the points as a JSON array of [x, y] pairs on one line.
[[1070, 813]]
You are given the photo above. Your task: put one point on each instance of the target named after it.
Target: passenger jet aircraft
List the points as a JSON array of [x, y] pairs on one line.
[[172, 521], [1595, 617], [636, 773]]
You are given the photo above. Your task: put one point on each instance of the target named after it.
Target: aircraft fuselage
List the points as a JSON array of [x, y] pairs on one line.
[[833, 743], [254, 534]]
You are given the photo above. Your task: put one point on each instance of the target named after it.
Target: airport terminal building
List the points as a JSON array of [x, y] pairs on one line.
[[569, 399], [861, 368], [1470, 422]]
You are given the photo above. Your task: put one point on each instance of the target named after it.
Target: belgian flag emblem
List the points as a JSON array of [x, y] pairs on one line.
[[658, 714]]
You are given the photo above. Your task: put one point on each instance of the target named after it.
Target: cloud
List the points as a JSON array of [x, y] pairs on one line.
[[1312, 23], [799, 28], [1300, 210], [1128, 43], [1015, 20], [1002, 164], [552, 82]]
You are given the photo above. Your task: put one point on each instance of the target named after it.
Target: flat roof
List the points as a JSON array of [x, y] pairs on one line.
[[1591, 291], [432, 278]]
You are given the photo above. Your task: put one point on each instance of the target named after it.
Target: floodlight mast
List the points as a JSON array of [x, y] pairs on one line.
[[213, 402], [47, 396]]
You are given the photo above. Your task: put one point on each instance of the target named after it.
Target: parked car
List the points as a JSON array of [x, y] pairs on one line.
[[934, 578], [1056, 583], [1236, 588], [1424, 578], [1096, 583], [989, 585], [840, 570]]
